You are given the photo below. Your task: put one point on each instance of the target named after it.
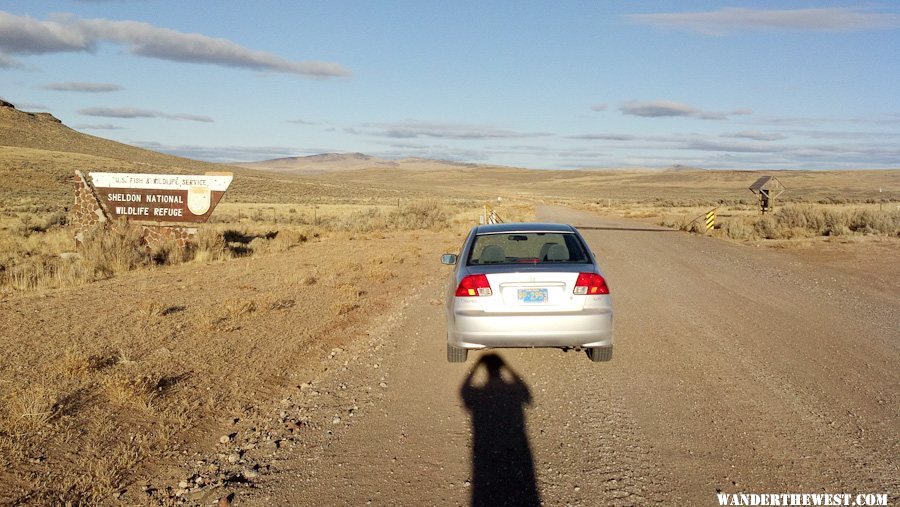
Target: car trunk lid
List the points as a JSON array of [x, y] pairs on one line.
[[533, 290]]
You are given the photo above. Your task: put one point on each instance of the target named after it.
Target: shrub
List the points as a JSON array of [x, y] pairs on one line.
[[737, 229], [871, 221], [169, 252], [29, 224], [29, 410], [107, 251], [835, 223], [793, 216], [427, 214], [682, 223], [802, 221], [288, 238], [209, 245]]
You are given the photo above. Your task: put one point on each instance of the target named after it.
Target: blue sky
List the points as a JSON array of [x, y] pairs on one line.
[[759, 85]]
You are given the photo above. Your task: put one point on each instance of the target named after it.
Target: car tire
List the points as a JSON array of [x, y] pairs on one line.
[[456, 354], [600, 354]]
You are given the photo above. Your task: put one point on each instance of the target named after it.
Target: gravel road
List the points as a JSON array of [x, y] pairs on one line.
[[736, 369]]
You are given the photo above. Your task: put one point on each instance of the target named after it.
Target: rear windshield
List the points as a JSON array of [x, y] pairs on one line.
[[527, 248]]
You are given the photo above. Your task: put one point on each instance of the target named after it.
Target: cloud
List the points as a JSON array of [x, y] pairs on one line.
[[412, 129], [24, 35], [226, 153], [731, 20], [599, 107], [30, 106], [849, 154], [299, 121], [435, 152], [131, 112], [667, 109], [95, 126], [889, 119], [728, 147], [749, 149], [756, 135], [8, 62], [852, 135], [604, 137], [82, 87]]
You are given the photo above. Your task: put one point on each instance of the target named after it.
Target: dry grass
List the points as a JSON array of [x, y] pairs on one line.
[[49, 259], [99, 481], [29, 410], [797, 221], [86, 395], [37, 249], [79, 363], [349, 215], [113, 396], [347, 300], [682, 223], [805, 221]]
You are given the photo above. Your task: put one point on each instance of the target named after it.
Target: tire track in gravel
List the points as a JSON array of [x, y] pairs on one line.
[[751, 371]]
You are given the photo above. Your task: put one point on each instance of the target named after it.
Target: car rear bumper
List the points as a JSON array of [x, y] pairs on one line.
[[476, 330]]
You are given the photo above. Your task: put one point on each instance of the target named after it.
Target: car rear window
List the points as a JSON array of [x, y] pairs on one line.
[[527, 248]]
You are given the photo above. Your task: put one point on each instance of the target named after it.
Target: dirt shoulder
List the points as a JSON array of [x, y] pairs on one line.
[[113, 383]]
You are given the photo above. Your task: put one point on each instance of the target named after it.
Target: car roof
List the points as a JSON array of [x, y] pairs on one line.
[[523, 227]]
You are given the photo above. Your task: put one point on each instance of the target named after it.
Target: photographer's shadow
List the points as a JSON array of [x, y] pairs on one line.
[[502, 464]]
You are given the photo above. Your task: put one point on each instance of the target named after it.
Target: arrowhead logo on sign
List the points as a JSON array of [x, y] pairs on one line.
[[199, 200]]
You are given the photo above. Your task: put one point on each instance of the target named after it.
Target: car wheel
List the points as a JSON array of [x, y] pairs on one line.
[[456, 354], [600, 354]]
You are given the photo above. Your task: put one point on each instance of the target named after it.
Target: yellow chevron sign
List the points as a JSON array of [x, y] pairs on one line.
[[710, 219]]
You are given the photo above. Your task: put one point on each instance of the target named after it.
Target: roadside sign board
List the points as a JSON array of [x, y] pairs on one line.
[[160, 197]]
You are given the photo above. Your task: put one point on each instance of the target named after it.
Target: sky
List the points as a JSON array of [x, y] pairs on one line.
[[561, 85]]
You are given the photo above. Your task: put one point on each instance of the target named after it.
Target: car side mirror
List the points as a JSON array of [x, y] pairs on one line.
[[448, 259]]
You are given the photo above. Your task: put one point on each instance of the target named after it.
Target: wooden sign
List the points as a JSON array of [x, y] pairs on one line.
[[160, 197]]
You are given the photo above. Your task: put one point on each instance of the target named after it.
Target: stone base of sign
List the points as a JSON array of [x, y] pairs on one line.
[[157, 234], [89, 213]]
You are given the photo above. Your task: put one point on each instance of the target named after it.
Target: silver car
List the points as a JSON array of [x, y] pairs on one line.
[[527, 285]]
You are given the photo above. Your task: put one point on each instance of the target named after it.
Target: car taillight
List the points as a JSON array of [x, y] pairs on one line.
[[474, 285], [590, 283]]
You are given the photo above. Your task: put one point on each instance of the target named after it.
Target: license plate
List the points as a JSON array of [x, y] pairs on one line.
[[532, 295]]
